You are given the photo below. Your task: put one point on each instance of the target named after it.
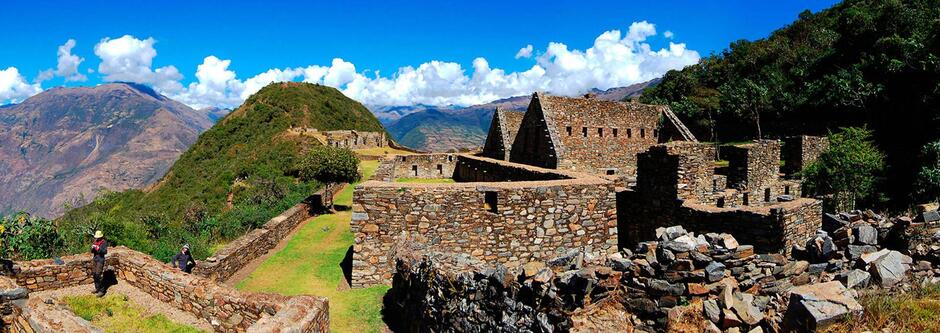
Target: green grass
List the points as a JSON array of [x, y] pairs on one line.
[[115, 313], [424, 180], [381, 151], [310, 265]]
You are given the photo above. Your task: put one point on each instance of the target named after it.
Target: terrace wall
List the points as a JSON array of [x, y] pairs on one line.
[[256, 243]]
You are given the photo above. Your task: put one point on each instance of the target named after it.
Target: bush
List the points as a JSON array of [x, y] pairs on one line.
[[928, 179], [329, 165], [848, 170], [27, 238]]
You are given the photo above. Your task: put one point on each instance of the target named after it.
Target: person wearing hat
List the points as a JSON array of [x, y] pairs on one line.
[[184, 260], [99, 248]]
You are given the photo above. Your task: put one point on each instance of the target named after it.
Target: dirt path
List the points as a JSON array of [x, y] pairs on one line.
[[150, 304], [246, 270]]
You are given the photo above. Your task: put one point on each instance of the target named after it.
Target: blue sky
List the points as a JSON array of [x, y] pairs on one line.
[[383, 36]]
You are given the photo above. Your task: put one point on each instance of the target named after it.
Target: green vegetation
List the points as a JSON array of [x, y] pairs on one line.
[[914, 311], [928, 179], [848, 170], [329, 165], [238, 174], [115, 313], [310, 264], [23, 237], [424, 180], [860, 63]]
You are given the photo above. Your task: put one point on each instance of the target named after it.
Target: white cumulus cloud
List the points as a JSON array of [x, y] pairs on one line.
[[525, 52], [67, 65], [615, 59], [130, 59], [14, 88], [668, 34]]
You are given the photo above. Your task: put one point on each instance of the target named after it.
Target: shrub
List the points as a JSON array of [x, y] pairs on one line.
[[928, 179], [329, 165], [848, 170], [27, 238]]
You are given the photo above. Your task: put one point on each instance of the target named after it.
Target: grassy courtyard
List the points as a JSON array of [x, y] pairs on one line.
[[310, 264], [115, 313]]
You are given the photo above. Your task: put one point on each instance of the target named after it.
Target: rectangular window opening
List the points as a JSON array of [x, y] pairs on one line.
[[568, 129], [642, 132], [721, 202], [584, 131], [610, 172], [440, 169], [600, 132], [629, 133], [615, 132], [745, 200], [450, 158], [414, 169], [402, 158], [786, 190], [767, 195], [490, 201]]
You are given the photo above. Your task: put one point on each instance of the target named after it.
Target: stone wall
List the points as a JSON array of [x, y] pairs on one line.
[[355, 139], [422, 166], [476, 169], [754, 166], [800, 151], [505, 222], [256, 243], [225, 308]]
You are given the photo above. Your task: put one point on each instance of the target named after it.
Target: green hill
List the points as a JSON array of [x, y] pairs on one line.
[[860, 63], [238, 174]]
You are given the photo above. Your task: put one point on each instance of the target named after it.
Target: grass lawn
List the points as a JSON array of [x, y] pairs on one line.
[[310, 264], [115, 313], [916, 311], [381, 151], [424, 180]]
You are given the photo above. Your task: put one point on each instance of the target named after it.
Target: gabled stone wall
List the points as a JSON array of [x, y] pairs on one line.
[[431, 166]]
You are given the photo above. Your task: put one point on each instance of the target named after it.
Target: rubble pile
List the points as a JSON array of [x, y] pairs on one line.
[[736, 289]]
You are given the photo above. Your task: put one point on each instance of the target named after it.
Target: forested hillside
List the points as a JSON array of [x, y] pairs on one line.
[[867, 63], [238, 174]]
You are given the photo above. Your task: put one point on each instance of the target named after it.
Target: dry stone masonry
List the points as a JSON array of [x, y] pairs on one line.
[[226, 309]]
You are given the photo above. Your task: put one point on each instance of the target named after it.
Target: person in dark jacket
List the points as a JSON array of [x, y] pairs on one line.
[[184, 260], [99, 248]]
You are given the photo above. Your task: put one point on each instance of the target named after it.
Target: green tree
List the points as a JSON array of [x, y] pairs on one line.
[[27, 238], [928, 179], [848, 170], [747, 99], [329, 165]]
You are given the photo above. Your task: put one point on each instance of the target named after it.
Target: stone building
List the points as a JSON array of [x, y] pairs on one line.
[[581, 174], [800, 151], [355, 139], [494, 211], [591, 135], [502, 132], [677, 185]]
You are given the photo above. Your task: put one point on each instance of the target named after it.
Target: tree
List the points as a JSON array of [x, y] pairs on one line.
[[747, 99], [27, 238], [928, 179], [848, 170], [329, 165]]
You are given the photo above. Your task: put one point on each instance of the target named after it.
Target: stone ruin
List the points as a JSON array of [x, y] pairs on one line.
[[202, 293], [581, 174], [225, 308], [350, 139]]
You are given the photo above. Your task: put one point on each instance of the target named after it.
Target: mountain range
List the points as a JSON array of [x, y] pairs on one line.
[[65, 145], [451, 128]]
